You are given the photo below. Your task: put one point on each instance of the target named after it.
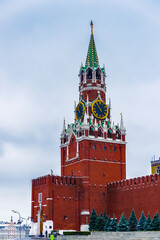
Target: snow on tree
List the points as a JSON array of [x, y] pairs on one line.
[[113, 225], [107, 224]]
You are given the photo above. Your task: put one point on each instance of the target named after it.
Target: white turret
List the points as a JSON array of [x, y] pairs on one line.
[[122, 125]]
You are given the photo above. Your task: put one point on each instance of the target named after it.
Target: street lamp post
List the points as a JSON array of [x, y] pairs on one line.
[[26, 228], [19, 220]]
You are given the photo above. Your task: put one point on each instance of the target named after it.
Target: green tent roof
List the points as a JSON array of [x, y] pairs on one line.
[[92, 57]]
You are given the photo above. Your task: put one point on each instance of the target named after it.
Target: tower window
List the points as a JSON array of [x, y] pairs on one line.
[[65, 138], [81, 77], [89, 73], [105, 148], [98, 74], [118, 135], [40, 197], [100, 132], [91, 131], [80, 132], [158, 169], [114, 149], [94, 146], [109, 133]]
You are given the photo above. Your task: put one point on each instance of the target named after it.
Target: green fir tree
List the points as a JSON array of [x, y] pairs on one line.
[[97, 223], [142, 220], [105, 215], [107, 224], [155, 223], [113, 225], [147, 224], [123, 224], [92, 221], [132, 221], [102, 222]]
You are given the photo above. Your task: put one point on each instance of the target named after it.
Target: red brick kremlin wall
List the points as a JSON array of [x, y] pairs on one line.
[[142, 193]]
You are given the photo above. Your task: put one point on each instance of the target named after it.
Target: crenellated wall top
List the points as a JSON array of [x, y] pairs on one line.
[[53, 179], [148, 180]]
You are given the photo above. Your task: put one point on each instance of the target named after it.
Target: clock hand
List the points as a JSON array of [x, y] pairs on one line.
[[99, 107]]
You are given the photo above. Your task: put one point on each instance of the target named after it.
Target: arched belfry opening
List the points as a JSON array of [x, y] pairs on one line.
[[89, 73], [91, 131]]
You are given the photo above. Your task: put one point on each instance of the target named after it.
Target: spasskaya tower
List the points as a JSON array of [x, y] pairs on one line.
[[93, 147], [93, 154], [93, 164]]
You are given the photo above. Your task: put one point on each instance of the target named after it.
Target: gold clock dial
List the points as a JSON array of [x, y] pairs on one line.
[[80, 110], [99, 109]]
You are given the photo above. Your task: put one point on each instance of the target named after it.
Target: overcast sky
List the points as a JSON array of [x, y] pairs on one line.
[[42, 45]]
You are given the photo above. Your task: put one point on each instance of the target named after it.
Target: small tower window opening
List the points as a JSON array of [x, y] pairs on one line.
[[118, 135], [91, 131], [109, 133], [94, 146], [158, 169], [100, 132], [114, 149], [40, 197], [98, 74], [89, 73], [105, 147], [80, 132], [81, 77], [72, 172], [65, 138]]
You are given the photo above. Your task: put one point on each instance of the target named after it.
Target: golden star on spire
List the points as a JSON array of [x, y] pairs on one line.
[[91, 27]]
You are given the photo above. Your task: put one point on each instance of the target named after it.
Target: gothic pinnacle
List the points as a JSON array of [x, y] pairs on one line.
[[121, 123], [64, 125]]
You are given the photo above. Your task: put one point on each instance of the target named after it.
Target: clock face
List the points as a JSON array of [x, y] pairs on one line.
[[99, 109], [80, 110]]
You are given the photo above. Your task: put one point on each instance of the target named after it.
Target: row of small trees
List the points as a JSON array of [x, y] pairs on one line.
[[105, 223]]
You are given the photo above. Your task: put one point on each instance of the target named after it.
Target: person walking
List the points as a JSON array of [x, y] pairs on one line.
[[51, 236]]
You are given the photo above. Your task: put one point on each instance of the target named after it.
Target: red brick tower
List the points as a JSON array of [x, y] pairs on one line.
[[92, 155], [93, 148]]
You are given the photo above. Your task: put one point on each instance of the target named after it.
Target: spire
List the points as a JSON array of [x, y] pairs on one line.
[[122, 124], [64, 126], [92, 57]]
